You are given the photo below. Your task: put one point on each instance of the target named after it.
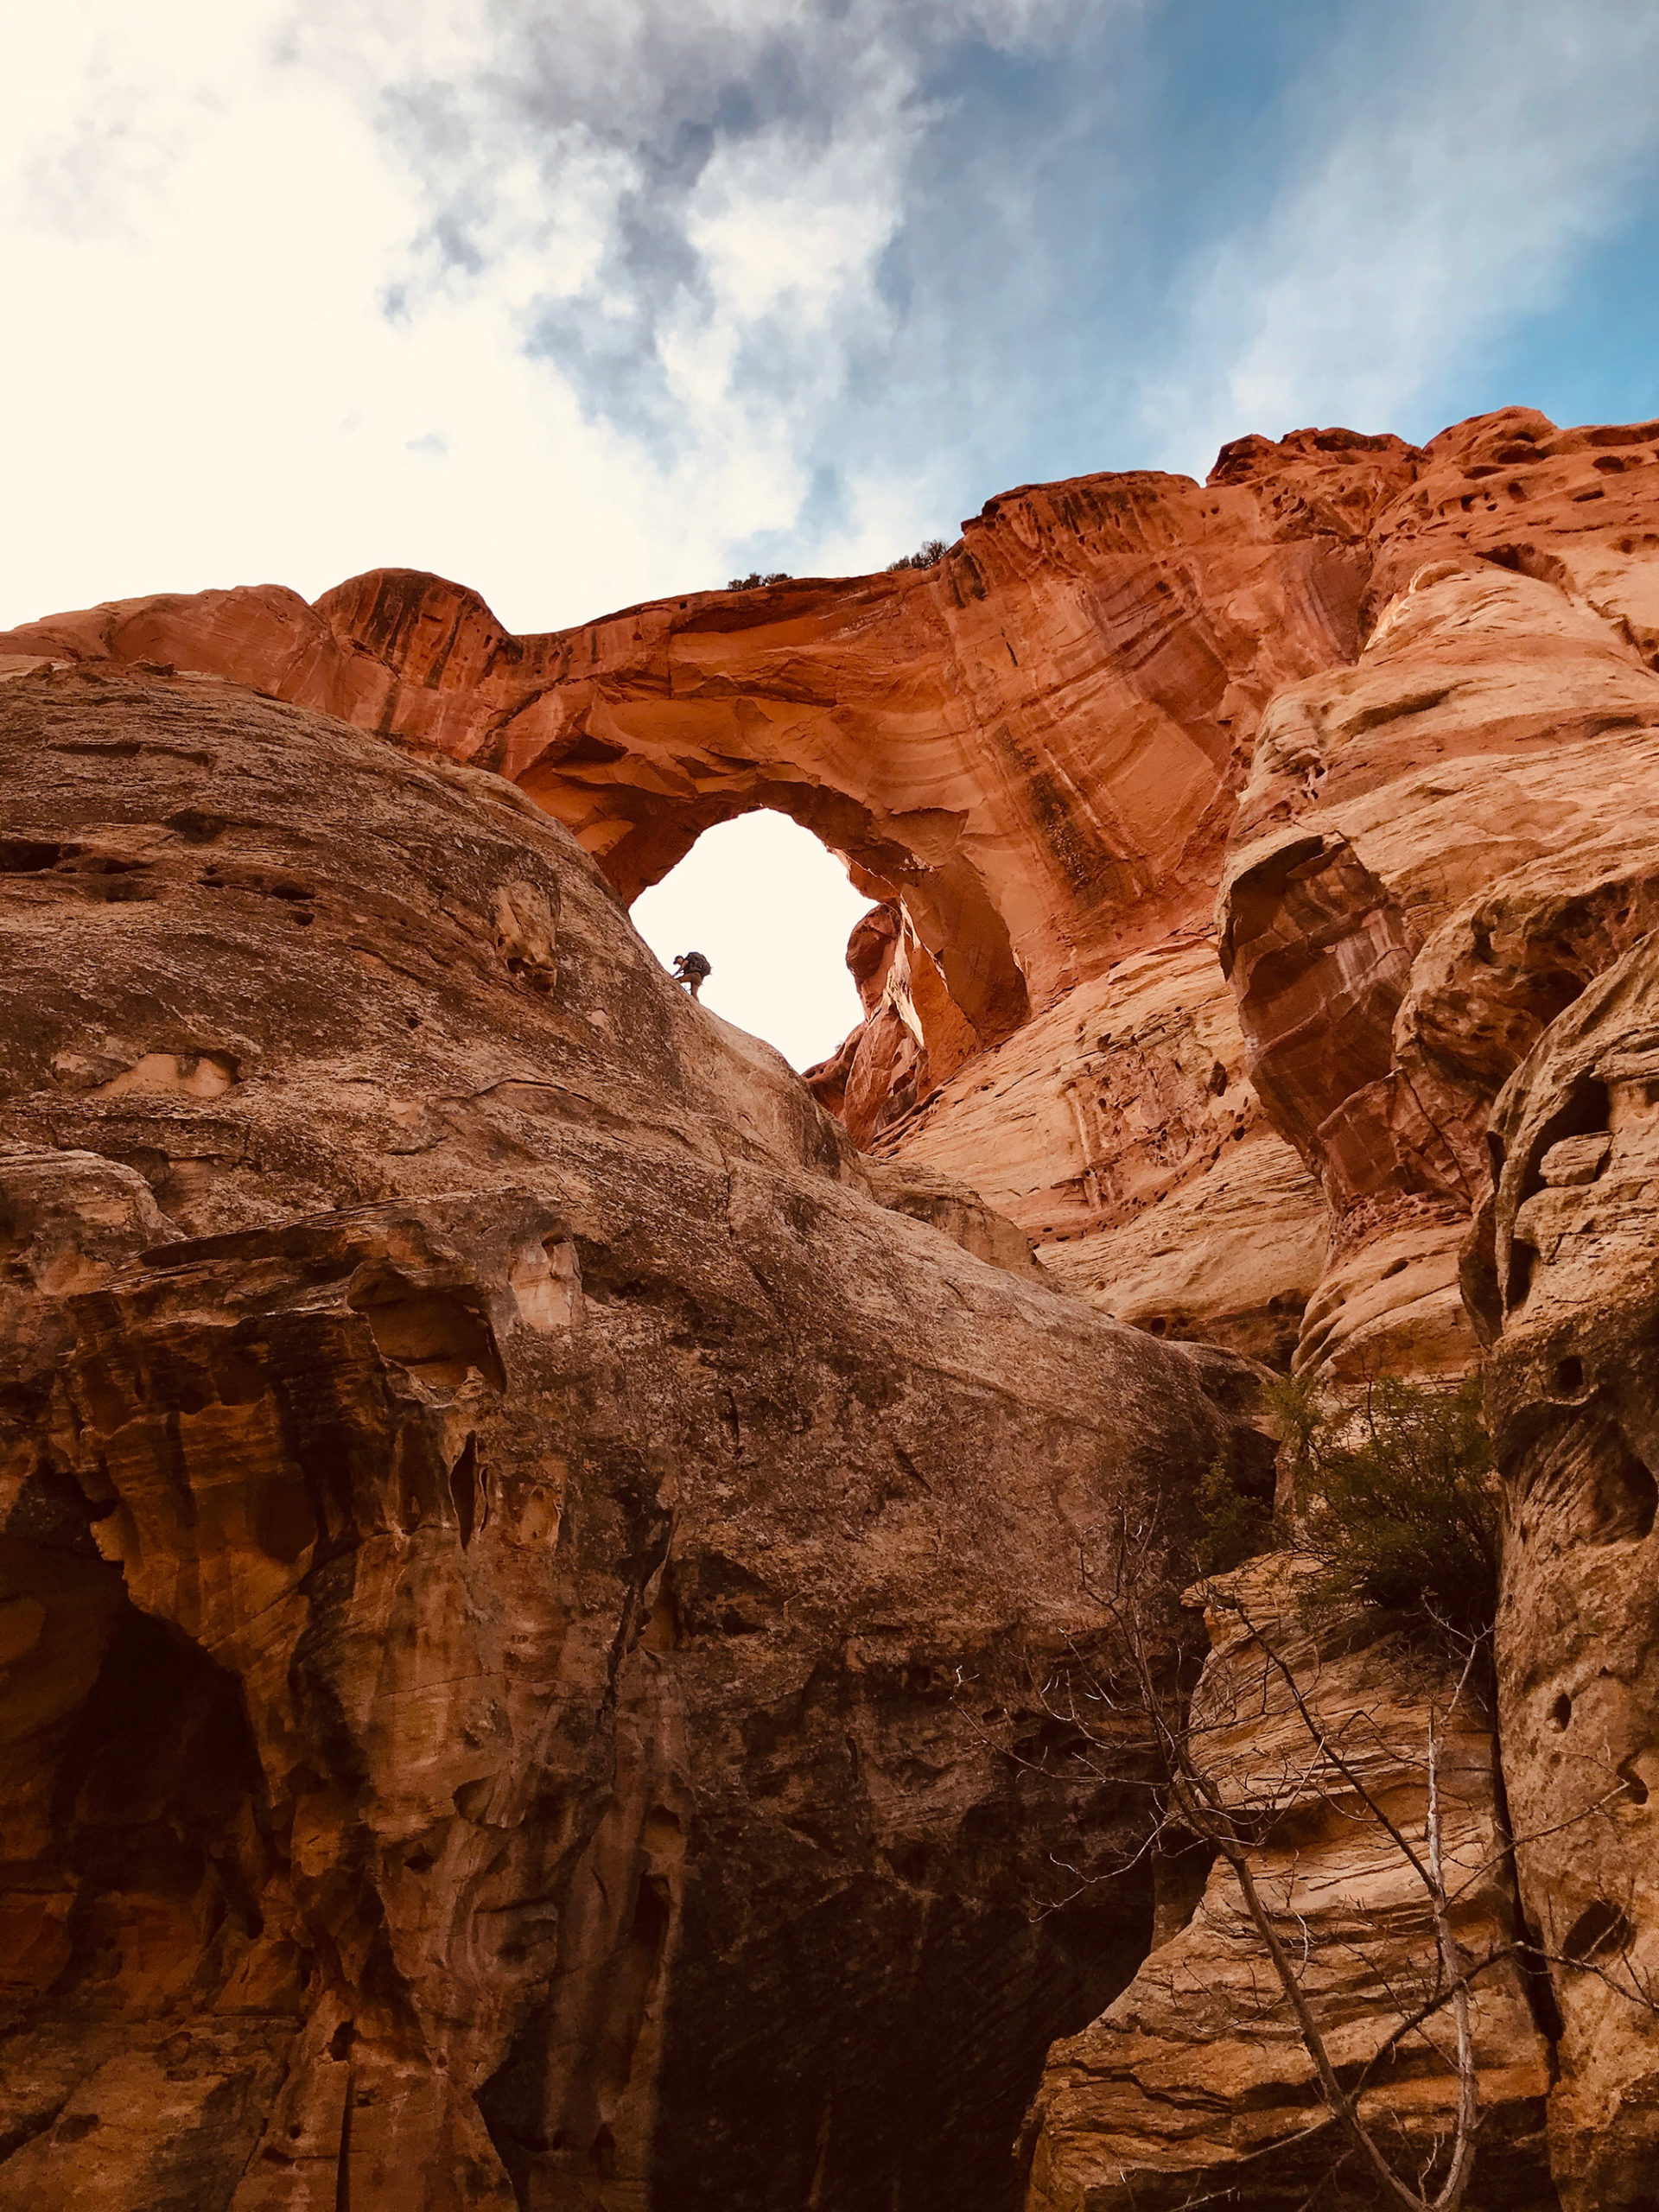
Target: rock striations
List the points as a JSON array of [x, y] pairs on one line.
[[538, 1548], [523, 1559]]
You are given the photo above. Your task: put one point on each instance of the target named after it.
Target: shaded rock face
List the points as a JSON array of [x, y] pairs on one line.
[[526, 1571], [1231, 846], [1032, 750], [1568, 1283]]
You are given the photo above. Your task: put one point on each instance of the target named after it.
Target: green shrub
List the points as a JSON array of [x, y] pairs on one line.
[[1398, 1501], [1236, 1526], [932, 553]]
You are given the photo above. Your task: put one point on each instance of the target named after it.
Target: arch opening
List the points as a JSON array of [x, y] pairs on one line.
[[811, 950], [640, 822], [770, 909]]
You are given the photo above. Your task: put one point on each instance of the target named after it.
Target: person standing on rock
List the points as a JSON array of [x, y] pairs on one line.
[[692, 969]]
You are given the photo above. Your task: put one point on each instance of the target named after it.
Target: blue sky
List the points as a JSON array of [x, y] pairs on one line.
[[589, 301], [584, 302]]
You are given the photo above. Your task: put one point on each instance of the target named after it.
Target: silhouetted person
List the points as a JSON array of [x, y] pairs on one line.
[[691, 970]]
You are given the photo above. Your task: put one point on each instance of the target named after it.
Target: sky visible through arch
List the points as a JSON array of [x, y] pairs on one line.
[[584, 302], [771, 912]]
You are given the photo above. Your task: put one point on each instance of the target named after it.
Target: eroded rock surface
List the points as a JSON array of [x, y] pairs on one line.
[[1195, 2085], [1398, 707], [1031, 753], [1437, 849], [521, 1561], [1570, 1285]]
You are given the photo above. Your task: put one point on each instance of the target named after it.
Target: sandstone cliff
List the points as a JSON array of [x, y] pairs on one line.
[[512, 1538], [1035, 754], [1196, 2083], [1232, 849]]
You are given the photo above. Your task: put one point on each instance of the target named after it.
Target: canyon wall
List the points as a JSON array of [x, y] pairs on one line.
[[1233, 849], [528, 1571], [1196, 2084], [1046, 753]]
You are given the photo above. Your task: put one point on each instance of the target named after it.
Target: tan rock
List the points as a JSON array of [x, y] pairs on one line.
[[1030, 743], [1030, 751], [1029, 756], [1493, 760], [1571, 1287], [1120, 1131], [1195, 2085], [504, 1538]]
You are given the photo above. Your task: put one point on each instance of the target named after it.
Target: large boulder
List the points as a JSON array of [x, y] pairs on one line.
[[529, 1581]]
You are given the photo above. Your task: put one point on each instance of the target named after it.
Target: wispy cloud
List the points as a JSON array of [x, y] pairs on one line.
[[688, 206], [559, 299], [1443, 167], [587, 301]]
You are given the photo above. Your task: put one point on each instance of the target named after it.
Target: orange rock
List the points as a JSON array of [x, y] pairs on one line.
[[507, 1532], [1395, 709], [1031, 751]]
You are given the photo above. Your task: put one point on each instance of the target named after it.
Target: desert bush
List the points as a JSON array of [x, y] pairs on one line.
[[1397, 1501], [1234, 1526], [754, 579], [927, 556]]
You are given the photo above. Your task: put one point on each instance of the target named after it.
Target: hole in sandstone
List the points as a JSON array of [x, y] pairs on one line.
[[157, 1794], [196, 826], [1587, 1110], [23, 856], [1561, 1712], [340, 2042], [283, 1521], [463, 1490], [1636, 1789], [1569, 1374], [434, 1333], [1602, 1931], [770, 909], [1625, 1495]]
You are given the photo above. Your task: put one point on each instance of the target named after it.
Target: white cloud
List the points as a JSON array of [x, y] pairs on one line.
[[1440, 180], [205, 211]]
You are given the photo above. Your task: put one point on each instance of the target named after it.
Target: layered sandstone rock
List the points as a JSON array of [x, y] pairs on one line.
[[1121, 1130], [1029, 755], [1195, 2085], [1399, 706], [1031, 743], [1437, 849], [912, 1037], [1568, 1282], [522, 1565]]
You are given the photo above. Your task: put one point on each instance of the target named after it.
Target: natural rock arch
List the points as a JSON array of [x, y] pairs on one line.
[[1029, 747]]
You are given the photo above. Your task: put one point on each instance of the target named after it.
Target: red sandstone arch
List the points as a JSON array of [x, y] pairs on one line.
[[1032, 747]]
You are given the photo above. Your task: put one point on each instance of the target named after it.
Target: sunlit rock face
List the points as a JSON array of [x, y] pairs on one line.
[[1437, 849], [1567, 1282], [528, 1573], [1389, 700], [1231, 846]]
